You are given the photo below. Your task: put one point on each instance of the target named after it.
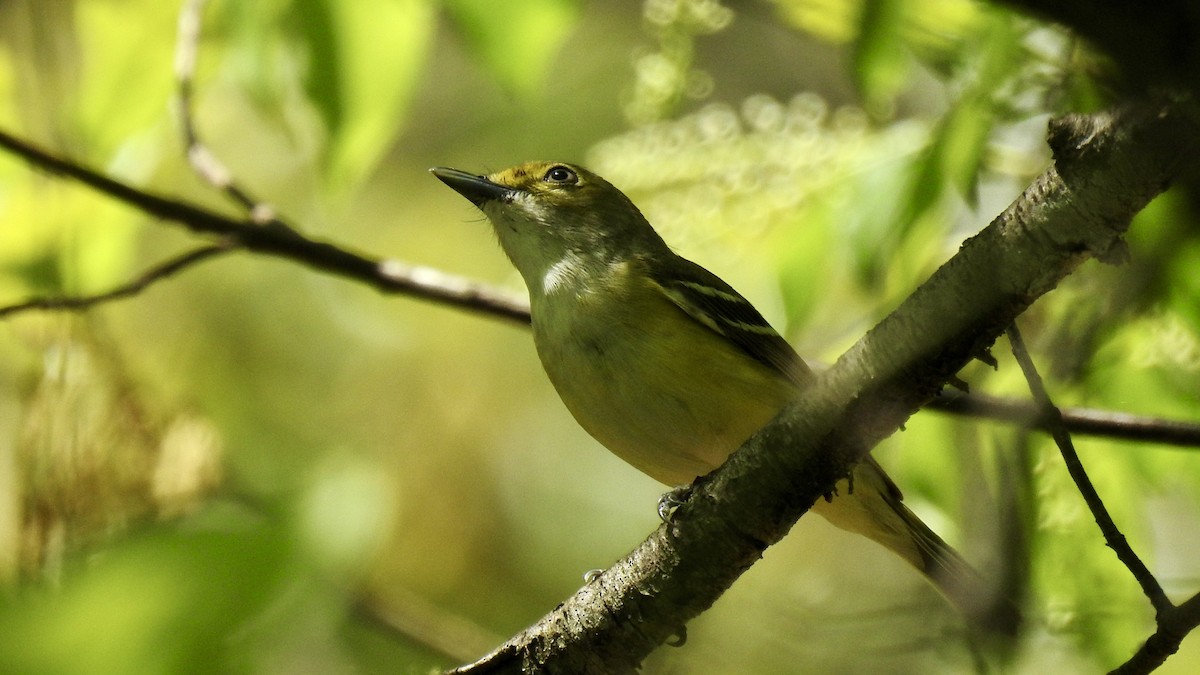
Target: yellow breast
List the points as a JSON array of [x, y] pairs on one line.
[[663, 392]]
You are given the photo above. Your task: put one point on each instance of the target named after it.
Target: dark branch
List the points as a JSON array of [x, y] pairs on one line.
[[1078, 421], [1172, 622], [130, 289], [1112, 534], [388, 276], [1066, 216]]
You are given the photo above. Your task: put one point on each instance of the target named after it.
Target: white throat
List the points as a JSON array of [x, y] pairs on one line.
[[562, 274]]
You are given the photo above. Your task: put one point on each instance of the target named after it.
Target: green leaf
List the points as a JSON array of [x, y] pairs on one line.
[[364, 62], [962, 145], [934, 32], [962, 141], [516, 40], [831, 20], [126, 80], [881, 61], [259, 57]]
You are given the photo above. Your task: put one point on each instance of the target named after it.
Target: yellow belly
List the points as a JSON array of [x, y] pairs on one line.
[[659, 390]]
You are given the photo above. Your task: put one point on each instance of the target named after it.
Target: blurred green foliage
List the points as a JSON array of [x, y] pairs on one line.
[[516, 41], [215, 475]]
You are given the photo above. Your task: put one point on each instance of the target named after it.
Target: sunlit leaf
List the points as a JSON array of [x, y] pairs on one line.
[[880, 61], [935, 31], [832, 20], [517, 41], [962, 144], [256, 54], [364, 61], [62, 239], [127, 82]]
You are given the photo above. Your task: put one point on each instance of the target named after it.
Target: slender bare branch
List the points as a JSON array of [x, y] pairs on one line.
[[1172, 622], [1078, 421], [126, 290], [1113, 537], [202, 160], [388, 276]]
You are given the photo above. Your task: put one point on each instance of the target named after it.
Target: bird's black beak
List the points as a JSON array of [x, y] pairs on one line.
[[478, 189]]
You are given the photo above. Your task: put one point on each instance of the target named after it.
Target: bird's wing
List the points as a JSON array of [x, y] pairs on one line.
[[713, 303]]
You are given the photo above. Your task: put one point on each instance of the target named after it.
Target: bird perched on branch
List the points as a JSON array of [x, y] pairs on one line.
[[660, 360]]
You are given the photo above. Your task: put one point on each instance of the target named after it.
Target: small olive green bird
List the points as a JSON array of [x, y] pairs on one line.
[[660, 360]]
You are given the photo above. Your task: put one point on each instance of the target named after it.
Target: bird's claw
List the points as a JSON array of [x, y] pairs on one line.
[[669, 502]]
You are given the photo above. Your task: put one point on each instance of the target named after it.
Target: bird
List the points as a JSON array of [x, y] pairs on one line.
[[663, 362]]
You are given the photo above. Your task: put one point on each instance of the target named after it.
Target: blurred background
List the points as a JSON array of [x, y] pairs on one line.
[[258, 467]]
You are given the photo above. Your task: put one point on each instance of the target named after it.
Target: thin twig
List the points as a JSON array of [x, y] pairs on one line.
[[201, 159], [1078, 421], [1112, 535], [1172, 622], [129, 289]]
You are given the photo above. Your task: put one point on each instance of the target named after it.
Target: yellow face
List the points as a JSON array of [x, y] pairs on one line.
[[551, 192], [553, 214], [554, 183]]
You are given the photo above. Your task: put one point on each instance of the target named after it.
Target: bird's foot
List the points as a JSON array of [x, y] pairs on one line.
[[669, 502]]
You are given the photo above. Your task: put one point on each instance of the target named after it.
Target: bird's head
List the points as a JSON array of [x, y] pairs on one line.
[[545, 213]]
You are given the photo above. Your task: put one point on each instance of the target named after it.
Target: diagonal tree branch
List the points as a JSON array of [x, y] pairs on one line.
[[436, 285], [1112, 534], [1107, 167], [864, 398]]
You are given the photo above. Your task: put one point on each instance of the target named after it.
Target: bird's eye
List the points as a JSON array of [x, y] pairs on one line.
[[561, 175]]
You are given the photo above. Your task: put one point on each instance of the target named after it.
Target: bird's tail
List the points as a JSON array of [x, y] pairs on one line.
[[870, 504]]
